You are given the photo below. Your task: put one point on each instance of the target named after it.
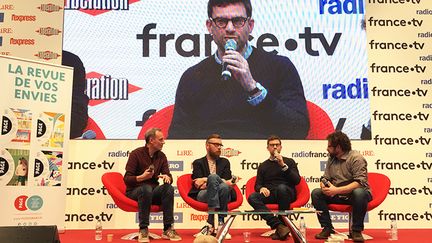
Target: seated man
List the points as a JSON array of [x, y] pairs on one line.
[[212, 182], [145, 166], [344, 182], [275, 183]]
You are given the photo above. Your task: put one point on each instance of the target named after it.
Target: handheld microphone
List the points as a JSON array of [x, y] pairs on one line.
[[230, 45], [234, 178], [151, 168], [89, 134], [325, 182]]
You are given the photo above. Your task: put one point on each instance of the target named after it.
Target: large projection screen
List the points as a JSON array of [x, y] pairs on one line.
[[135, 53]]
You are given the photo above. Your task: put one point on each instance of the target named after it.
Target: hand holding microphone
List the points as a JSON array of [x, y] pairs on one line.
[[230, 45], [325, 182]]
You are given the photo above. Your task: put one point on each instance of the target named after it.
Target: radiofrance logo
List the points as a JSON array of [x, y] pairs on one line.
[[24, 203]]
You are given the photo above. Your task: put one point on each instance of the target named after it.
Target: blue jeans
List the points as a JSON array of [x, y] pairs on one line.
[[217, 196], [146, 196], [282, 195], [358, 199]]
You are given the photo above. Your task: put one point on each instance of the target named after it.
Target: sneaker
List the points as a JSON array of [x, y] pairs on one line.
[[357, 236], [171, 234], [208, 229], [143, 235], [227, 236], [325, 233], [282, 232]]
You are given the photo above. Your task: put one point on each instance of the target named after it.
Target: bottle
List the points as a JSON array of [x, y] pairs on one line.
[[302, 226], [98, 233], [393, 230]]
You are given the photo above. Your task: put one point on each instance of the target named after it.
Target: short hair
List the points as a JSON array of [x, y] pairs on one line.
[[151, 133], [273, 137], [214, 135], [220, 3], [341, 139]]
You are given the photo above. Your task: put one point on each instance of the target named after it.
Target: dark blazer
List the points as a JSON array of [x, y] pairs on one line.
[[201, 169]]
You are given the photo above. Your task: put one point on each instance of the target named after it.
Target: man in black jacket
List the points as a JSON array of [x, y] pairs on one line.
[[212, 182]]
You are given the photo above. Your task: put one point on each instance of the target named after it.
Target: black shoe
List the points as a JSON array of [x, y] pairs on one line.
[[324, 234], [275, 236], [357, 236], [282, 233]]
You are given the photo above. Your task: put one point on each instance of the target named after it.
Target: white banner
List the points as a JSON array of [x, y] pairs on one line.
[[35, 108]]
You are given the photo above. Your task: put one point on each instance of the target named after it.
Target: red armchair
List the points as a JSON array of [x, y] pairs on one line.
[[113, 182], [303, 195], [380, 186]]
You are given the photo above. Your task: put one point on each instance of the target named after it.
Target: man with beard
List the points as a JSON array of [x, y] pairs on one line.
[[263, 96], [344, 181], [212, 182]]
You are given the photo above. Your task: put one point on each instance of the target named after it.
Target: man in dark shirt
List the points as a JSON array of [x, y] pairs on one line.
[[145, 166], [275, 183], [263, 96]]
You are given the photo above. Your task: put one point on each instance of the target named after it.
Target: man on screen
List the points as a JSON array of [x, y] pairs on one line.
[[275, 183], [145, 166], [261, 95], [345, 181]]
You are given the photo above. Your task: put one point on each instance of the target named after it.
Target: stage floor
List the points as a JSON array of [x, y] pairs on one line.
[[380, 235]]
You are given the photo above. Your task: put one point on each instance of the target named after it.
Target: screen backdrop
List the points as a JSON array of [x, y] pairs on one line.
[[135, 56]]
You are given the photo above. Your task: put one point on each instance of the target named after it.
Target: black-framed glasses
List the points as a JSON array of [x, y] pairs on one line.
[[237, 22], [216, 144], [274, 144]]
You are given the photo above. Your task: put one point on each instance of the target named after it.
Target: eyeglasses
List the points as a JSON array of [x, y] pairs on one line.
[[216, 144], [274, 144], [238, 22]]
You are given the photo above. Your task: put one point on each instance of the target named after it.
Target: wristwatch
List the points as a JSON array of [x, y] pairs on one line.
[[285, 167], [255, 100]]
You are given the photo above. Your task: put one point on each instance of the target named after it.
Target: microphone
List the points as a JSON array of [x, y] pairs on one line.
[[230, 45], [151, 168], [89, 134], [234, 178], [325, 182]]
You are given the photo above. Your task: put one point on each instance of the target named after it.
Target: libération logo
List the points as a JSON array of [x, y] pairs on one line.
[[102, 88], [230, 152], [49, 8], [24, 203], [48, 31], [97, 7], [47, 55]]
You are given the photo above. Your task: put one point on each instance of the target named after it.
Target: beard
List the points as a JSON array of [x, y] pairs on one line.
[[214, 155]]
